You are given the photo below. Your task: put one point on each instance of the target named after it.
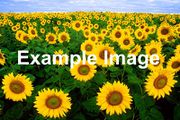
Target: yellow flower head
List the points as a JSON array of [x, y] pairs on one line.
[[114, 98], [17, 88], [165, 30], [126, 42], [88, 46], [77, 25], [32, 32], [24, 37], [52, 103], [83, 72], [51, 38], [63, 36], [159, 83], [116, 35], [174, 64], [153, 48]]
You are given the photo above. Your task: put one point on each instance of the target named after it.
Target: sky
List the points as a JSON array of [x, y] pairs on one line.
[[150, 6]]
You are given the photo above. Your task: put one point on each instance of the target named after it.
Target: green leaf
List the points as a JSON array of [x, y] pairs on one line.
[[100, 78], [90, 105], [156, 114], [132, 77]]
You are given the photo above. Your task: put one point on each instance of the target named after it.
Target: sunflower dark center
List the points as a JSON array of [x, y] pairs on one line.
[[53, 102], [17, 87], [114, 98], [93, 38], [51, 38], [142, 26], [77, 25], [87, 33], [102, 54], [175, 64], [118, 34], [164, 31], [33, 32], [139, 34], [19, 35], [160, 82], [63, 37], [83, 69], [153, 51], [134, 50], [25, 38], [126, 42], [147, 30], [88, 47]]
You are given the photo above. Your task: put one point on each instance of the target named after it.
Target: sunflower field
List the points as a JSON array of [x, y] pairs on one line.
[[86, 91]]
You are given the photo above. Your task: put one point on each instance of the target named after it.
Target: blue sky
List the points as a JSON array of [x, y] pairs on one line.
[[155, 6]]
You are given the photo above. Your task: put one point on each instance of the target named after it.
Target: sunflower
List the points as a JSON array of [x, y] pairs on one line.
[[153, 29], [159, 83], [147, 29], [18, 35], [164, 30], [83, 72], [104, 32], [174, 63], [52, 103], [114, 98], [24, 37], [14, 28], [135, 50], [96, 26], [86, 33], [159, 65], [77, 25], [51, 38], [42, 30], [16, 87], [139, 34], [93, 37], [126, 42], [100, 54], [2, 58], [116, 35], [153, 48], [63, 36], [88, 46], [32, 32]]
